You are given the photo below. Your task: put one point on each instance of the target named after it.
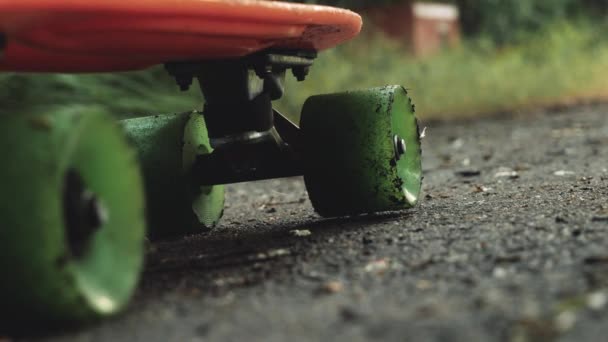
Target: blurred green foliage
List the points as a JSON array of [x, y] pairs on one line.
[[566, 61], [514, 21], [501, 21]]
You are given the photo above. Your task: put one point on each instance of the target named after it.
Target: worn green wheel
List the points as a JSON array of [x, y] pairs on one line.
[[72, 210], [168, 146], [361, 151]]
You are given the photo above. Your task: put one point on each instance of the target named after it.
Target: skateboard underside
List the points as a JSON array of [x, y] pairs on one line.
[[116, 35]]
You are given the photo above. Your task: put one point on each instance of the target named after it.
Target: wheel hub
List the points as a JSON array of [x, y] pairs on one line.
[[400, 146], [84, 213]]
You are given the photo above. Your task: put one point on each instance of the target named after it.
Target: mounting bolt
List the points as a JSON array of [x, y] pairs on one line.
[[184, 81], [300, 72], [400, 146]]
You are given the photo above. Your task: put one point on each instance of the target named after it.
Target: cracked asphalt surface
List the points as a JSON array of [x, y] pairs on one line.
[[509, 243]]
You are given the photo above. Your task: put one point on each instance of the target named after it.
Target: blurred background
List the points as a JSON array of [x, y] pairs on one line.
[[458, 58]]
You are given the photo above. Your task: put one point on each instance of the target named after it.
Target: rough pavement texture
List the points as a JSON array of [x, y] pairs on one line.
[[509, 243]]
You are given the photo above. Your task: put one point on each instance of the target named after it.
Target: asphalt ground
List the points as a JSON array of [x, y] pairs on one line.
[[509, 243]]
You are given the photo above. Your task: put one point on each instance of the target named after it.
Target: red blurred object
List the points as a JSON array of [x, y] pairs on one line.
[[425, 28]]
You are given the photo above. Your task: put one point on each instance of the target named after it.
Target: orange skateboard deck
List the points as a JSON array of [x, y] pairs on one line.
[[118, 35]]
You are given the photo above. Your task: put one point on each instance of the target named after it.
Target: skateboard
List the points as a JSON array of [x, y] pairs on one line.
[[81, 191]]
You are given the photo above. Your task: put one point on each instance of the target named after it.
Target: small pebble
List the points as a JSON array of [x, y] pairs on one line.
[[300, 232], [565, 321], [480, 189], [377, 266], [499, 273], [332, 287], [274, 253], [507, 174], [563, 173], [424, 285], [597, 301]]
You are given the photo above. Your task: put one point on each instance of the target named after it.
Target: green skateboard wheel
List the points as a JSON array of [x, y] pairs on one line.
[[71, 241], [362, 151], [168, 146]]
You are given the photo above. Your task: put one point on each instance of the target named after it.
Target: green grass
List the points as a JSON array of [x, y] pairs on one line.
[[566, 62]]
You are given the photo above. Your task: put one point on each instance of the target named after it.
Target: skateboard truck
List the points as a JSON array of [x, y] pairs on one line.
[[251, 141]]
